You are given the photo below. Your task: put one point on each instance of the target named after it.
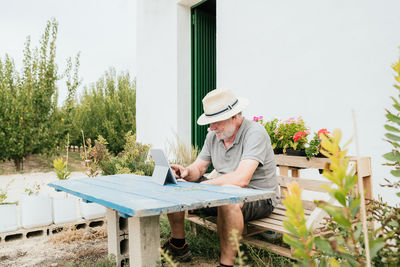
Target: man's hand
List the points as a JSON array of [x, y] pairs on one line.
[[179, 171]]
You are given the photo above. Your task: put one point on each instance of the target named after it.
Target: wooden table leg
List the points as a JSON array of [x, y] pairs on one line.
[[144, 241], [113, 235]]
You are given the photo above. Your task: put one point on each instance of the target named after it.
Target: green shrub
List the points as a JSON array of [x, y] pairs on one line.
[[133, 158], [107, 108]]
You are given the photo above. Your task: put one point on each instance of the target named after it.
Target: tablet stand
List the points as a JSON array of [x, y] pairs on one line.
[[163, 175]]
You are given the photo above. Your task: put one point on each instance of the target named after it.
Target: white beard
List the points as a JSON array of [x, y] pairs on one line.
[[227, 133]]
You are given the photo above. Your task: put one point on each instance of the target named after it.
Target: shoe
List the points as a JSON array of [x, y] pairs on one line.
[[182, 254], [271, 235]]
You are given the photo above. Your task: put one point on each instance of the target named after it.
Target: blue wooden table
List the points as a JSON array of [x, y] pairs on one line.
[[142, 201]]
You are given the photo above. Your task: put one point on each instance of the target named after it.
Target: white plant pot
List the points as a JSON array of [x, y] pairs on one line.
[[35, 211], [92, 210], [64, 210], [8, 218]]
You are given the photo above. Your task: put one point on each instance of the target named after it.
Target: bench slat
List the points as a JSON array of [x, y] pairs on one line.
[[306, 184], [269, 226]]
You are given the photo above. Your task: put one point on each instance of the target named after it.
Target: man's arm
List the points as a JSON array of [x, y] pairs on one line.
[[240, 177], [192, 172]]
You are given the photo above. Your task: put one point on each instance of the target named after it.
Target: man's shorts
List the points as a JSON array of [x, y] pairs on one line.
[[250, 210]]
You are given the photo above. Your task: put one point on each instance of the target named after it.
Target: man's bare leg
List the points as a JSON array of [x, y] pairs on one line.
[[229, 217], [177, 223]]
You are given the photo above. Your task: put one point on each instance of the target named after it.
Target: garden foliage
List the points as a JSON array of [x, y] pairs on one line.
[[133, 158], [32, 123], [3, 192], [393, 130], [107, 108], [181, 153], [387, 216], [61, 168], [344, 246], [29, 119]]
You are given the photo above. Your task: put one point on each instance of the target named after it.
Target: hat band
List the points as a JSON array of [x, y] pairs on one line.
[[222, 111]]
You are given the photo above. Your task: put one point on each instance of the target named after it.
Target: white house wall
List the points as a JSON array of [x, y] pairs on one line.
[[315, 59], [156, 71], [163, 76]]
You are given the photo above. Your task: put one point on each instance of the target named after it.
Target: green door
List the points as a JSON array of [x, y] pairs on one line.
[[203, 40]]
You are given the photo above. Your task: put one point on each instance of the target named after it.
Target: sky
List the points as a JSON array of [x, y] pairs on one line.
[[102, 31]]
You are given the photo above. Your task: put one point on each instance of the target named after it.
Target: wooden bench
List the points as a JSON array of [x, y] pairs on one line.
[[289, 170]]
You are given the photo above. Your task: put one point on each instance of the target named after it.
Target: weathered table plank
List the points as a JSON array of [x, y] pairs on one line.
[[143, 200], [135, 195]]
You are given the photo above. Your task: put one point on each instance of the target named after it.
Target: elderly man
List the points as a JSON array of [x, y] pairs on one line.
[[240, 150]]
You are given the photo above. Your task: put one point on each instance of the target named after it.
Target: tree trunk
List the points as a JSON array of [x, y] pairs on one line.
[[18, 162]]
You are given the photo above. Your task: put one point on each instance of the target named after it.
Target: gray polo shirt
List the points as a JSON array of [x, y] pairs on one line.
[[251, 142]]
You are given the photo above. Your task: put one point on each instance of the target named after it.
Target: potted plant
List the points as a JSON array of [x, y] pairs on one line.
[[64, 207], [270, 127], [314, 147], [299, 142], [35, 208], [91, 210], [8, 212], [291, 135]]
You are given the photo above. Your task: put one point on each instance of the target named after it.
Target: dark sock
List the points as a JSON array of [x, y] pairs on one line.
[[178, 242], [224, 265]]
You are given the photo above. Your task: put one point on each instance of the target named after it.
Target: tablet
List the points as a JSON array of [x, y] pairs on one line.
[[162, 173]]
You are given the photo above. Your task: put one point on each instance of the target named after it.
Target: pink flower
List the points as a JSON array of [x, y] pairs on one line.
[[256, 119], [323, 131]]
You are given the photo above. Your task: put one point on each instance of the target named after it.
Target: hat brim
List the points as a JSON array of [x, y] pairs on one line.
[[240, 106]]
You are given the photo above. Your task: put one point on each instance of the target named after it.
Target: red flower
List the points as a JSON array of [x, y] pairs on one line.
[[323, 131], [299, 135]]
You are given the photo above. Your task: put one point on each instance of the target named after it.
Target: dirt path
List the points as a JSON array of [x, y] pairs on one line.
[[54, 252], [66, 248]]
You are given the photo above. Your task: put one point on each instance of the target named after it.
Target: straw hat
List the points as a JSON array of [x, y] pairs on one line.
[[219, 105]]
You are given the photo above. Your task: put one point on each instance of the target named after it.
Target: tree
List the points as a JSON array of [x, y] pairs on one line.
[[107, 108], [28, 101]]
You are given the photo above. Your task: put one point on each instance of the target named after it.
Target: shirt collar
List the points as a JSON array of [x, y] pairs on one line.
[[239, 133]]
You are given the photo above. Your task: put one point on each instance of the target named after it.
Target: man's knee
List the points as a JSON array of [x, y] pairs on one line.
[[232, 208]]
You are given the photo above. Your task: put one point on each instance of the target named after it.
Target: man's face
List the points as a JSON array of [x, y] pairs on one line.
[[223, 129]]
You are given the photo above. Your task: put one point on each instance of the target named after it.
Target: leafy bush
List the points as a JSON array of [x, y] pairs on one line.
[[344, 246], [388, 217], [392, 127], [133, 158], [29, 120], [107, 108]]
